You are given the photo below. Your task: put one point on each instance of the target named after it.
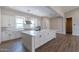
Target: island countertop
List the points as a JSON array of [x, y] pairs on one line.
[[34, 39], [32, 33]]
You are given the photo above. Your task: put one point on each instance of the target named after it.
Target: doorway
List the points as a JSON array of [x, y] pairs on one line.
[[69, 25]]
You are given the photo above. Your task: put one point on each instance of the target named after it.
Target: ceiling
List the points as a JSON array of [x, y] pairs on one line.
[[36, 10], [44, 11], [68, 8]]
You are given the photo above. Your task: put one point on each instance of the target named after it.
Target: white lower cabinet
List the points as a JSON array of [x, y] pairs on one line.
[[37, 41], [43, 37], [17, 34], [34, 39], [40, 39], [5, 36], [9, 35], [12, 35]]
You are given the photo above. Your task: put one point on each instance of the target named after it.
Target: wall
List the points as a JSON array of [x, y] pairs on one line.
[[75, 20], [58, 24], [58, 9], [0, 25]]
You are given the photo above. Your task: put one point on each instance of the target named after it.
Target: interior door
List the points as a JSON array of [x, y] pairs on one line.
[[69, 25]]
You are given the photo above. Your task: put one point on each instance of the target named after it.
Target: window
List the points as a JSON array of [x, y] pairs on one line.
[[20, 22]]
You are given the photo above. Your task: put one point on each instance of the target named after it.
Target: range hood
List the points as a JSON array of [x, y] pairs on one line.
[[28, 22]]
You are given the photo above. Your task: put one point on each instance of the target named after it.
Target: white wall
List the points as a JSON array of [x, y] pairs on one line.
[[0, 25], [58, 24], [75, 20], [58, 9]]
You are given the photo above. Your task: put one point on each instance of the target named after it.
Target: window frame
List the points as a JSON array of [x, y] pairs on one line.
[[20, 17]]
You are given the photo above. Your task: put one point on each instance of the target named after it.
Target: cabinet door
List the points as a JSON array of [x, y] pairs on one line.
[[18, 34], [43, 37], [5, 21], [9, 35], [12, 21], [12, 35], [37, 41], [51, 35], [5, 36]]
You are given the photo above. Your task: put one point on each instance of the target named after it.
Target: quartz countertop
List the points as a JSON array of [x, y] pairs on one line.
[[32, 33]]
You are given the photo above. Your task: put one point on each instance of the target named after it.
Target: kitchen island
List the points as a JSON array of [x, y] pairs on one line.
[[34, 39]]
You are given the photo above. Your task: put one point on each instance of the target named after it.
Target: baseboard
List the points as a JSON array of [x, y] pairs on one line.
[[75, 34], [61, 33]]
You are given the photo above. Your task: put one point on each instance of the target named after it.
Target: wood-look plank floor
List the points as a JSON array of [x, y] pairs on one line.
[[63, 43], [12, 46]]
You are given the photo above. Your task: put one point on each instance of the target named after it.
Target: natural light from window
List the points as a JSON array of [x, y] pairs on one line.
[[19, 22]]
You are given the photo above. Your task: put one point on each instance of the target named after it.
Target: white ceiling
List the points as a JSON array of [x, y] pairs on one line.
[[36, 10], [68, 8], [43, 11]]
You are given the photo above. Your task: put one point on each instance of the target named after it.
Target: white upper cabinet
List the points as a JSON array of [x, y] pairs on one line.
[[5, 21], [12, 21], [45, 23], [8, 21]]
